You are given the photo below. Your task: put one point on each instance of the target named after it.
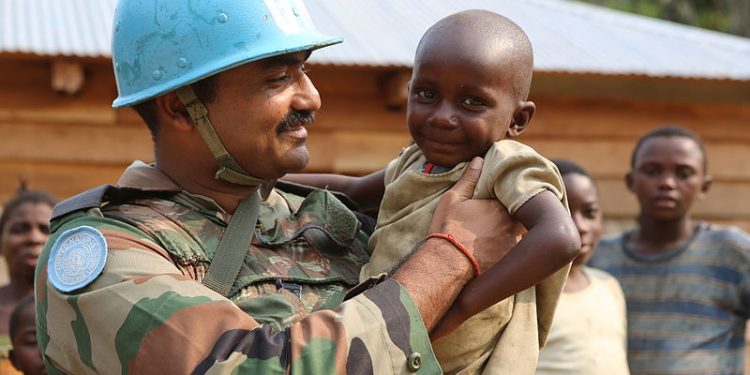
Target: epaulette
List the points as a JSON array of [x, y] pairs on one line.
[[305, 190], [96, 197], [368, 222], [88, 199]]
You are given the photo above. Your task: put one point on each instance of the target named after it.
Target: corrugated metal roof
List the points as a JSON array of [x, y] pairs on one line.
[[56, 27], [567, 36]]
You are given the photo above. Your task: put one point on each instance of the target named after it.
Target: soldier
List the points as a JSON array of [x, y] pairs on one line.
[[197, 263]]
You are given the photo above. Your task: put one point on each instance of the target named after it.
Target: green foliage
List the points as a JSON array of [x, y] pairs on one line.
[[730, 16]]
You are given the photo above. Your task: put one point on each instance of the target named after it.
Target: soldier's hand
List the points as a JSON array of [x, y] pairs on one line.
[[481, 225]]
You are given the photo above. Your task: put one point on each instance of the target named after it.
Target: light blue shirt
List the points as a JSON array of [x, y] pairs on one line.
[[687, 307]]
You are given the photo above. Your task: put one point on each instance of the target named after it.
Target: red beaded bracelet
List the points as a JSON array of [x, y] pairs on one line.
[[448, 237]]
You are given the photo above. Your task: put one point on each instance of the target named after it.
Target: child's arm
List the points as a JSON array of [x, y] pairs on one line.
[[367, 190], [552, 242]]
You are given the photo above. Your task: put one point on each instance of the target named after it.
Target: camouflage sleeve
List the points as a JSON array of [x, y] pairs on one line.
[[143, 316]]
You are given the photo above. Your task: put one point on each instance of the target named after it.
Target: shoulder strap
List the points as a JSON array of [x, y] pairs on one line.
[[88, 199], [230, 254], [97, 196]]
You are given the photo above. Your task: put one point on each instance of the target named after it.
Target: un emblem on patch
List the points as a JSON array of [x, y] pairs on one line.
[[77, 258]]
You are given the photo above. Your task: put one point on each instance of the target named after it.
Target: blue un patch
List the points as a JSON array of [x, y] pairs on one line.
[[76, 259]]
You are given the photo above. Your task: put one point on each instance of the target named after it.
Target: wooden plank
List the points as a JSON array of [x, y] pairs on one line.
[[606, 119], [619, 87], [351, 80], [33, 99], [366, 113], [74, 143], [34, 77], [353, 152], [61, 179], [128, 116]]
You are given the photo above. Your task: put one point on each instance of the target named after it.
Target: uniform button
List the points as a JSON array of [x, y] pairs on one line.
[[414, 362]]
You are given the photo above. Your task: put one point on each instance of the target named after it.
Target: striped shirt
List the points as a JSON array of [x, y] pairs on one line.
[[687, 307]]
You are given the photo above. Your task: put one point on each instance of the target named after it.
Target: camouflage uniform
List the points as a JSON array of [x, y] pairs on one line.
[[149, 313]]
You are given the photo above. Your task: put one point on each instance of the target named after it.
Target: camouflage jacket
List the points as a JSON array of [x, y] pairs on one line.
[[148, 313]]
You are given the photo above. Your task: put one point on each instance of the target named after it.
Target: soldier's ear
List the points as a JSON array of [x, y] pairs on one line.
[[171, 112]]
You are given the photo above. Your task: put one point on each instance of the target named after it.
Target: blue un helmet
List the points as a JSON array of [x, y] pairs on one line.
[[158, 46], [163, 46]]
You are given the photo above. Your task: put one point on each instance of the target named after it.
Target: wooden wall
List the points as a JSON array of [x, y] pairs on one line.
[[61, 143], [66, 144]]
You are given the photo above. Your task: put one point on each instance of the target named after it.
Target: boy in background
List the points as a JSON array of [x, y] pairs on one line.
[[686, 282], [467, 97]]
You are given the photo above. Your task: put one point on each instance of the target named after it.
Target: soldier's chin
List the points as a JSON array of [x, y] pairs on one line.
[[297, 159]]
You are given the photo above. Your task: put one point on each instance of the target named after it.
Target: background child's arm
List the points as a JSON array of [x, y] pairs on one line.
[[552, 242], [367, 190]]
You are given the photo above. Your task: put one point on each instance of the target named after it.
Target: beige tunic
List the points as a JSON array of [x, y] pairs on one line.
[[589, 333], [506, 337]]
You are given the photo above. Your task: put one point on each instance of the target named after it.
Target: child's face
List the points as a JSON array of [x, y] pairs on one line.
[[458, 105], [583, 200], [25, 355], [668, 177]]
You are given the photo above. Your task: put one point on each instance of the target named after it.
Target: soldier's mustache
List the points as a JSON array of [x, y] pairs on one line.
[[295, 119]]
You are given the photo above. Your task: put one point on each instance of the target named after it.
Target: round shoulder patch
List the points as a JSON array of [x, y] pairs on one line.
[[76, 258]]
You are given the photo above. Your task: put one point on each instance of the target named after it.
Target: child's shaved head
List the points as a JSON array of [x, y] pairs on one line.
[[485, 36]]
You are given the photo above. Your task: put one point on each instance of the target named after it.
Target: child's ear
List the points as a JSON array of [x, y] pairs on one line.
[[14, 359], [521, 119], [629, 181], [706, 186]]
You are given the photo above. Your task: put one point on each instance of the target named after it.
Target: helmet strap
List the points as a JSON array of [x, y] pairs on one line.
[[229, 170]]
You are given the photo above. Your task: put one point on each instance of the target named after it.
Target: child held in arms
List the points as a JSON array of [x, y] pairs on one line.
[[467, 99]]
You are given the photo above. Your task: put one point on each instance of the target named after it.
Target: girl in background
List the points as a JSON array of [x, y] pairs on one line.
[[589, 330]]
